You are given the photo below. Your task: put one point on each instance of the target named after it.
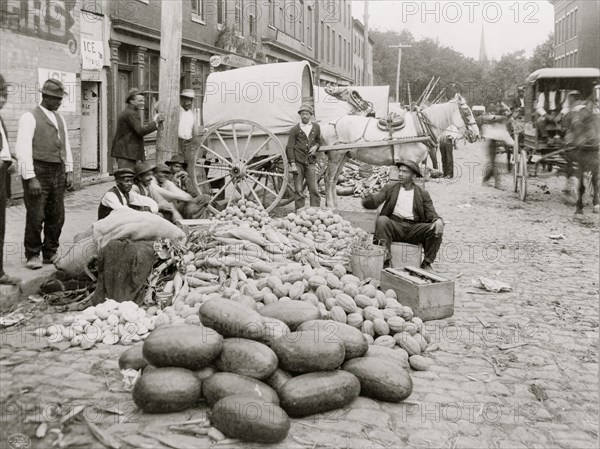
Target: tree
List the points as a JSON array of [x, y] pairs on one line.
[[543, 55]]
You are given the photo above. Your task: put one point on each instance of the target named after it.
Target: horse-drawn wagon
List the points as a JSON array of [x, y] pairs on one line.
[[249, 112], [548, 145]]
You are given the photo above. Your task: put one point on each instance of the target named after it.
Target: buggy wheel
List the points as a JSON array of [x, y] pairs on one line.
[[521, 174], [248, 161]]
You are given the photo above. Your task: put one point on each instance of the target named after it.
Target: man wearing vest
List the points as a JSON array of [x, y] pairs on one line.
[[128, 145], [46, 165], [121, 196], [8, 165], [303, 142], [407, 215]]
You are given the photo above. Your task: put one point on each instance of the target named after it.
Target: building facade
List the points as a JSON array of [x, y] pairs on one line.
[[576, 33], [358, 49]]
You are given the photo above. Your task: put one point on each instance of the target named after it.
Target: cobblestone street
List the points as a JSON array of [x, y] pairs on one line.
[[513, 370]]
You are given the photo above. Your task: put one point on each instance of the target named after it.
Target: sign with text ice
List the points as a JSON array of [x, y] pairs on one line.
[[92, 53], [69, 80]]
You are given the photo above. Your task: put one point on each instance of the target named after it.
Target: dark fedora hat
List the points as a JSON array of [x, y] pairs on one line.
[[123, 172], [412, 165], [177, 160], [132, 93], [54, 88], [143, 167]]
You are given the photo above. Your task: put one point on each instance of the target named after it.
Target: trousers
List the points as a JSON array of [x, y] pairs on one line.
[[306, 172], [433, 157], [46, 211], [3, 197], [447, 149], [388, 230]]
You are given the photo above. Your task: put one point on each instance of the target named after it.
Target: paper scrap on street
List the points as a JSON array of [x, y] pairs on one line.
[[491, 285], [11, 319], [557, 237]]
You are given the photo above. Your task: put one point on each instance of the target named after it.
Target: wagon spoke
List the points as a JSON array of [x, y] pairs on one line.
[[218, 167], [224, 144], [262, 145], [267, 173], [263, 186], [222, 189], [213, 179], [235, 141], [254, 194], [264, 161], [214, 153], [248, 141]]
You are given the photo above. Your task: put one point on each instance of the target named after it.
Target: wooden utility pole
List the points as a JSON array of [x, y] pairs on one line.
[[409, 98], [170, 72], [366, 44], [399, 47]]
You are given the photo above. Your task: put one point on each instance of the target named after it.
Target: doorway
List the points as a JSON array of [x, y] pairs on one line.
[[90, 128]]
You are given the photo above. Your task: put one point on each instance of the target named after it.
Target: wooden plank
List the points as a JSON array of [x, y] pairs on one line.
[[376, 143], [428, 274], [407, 276]]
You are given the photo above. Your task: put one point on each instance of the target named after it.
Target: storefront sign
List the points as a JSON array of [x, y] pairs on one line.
[[236, 61], [69, 80], [92, 53]]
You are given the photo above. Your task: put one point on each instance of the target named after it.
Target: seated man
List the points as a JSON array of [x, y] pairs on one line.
[[121, 196], [181, 177], [407, 215], [572, 103], [518, 104], [188, 206], [547, 109], [145, 185]]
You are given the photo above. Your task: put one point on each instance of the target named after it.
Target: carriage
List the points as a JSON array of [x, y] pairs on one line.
[[529, 140], [247, 117]]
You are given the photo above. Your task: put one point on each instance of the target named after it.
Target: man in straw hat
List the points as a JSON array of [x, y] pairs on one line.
[[187, 125], [121, 196], [46, 165], [128, 144], [407, 215], [145, 185], [303, 142], [8, 165]]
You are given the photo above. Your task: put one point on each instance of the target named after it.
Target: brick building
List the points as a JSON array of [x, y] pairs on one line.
[[358, 49], [576, 33]]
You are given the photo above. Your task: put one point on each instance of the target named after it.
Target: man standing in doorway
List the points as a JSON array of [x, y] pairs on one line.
[[8, 165], [303, 142], [46, 164], [187, 126], [128, 145]]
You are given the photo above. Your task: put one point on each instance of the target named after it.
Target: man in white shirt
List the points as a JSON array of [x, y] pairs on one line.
[[46, 165], [547, 108], [8, 165], [121, 196], [407, 215], [187, 126]]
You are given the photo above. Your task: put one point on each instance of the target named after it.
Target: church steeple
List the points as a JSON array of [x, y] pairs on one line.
[[482, 52]]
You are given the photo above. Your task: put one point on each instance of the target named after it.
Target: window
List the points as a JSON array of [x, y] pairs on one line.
[[309, 31], [198, 10], [221, 12], [340, 49], [349, 57], [327, 44], [300, 24], [575, 60], [333, 47], [344, 56], [349, 17], [271, 6], [239, 22], [344, 13], [252, 19], [568, 29], [281, 14], [575, 23], [150, 88], [322, 39]]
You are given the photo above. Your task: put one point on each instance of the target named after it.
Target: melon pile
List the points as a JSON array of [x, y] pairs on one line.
[[283, 358]]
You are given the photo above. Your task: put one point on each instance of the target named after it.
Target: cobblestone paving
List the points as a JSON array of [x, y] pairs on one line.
[[514, 370]]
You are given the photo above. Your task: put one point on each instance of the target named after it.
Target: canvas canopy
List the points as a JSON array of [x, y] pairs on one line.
[[328, 108], [269, 94]]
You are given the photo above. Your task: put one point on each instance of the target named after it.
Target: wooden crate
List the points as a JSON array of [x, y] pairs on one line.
[[363, 219], [428, 301]]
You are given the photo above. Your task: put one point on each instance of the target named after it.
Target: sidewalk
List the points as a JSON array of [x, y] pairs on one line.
[[81, 208]]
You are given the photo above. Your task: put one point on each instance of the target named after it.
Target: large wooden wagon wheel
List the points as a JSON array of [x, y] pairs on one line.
[[245, 154]]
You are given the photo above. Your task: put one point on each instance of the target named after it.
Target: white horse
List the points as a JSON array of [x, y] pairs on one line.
[[431, 121]]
